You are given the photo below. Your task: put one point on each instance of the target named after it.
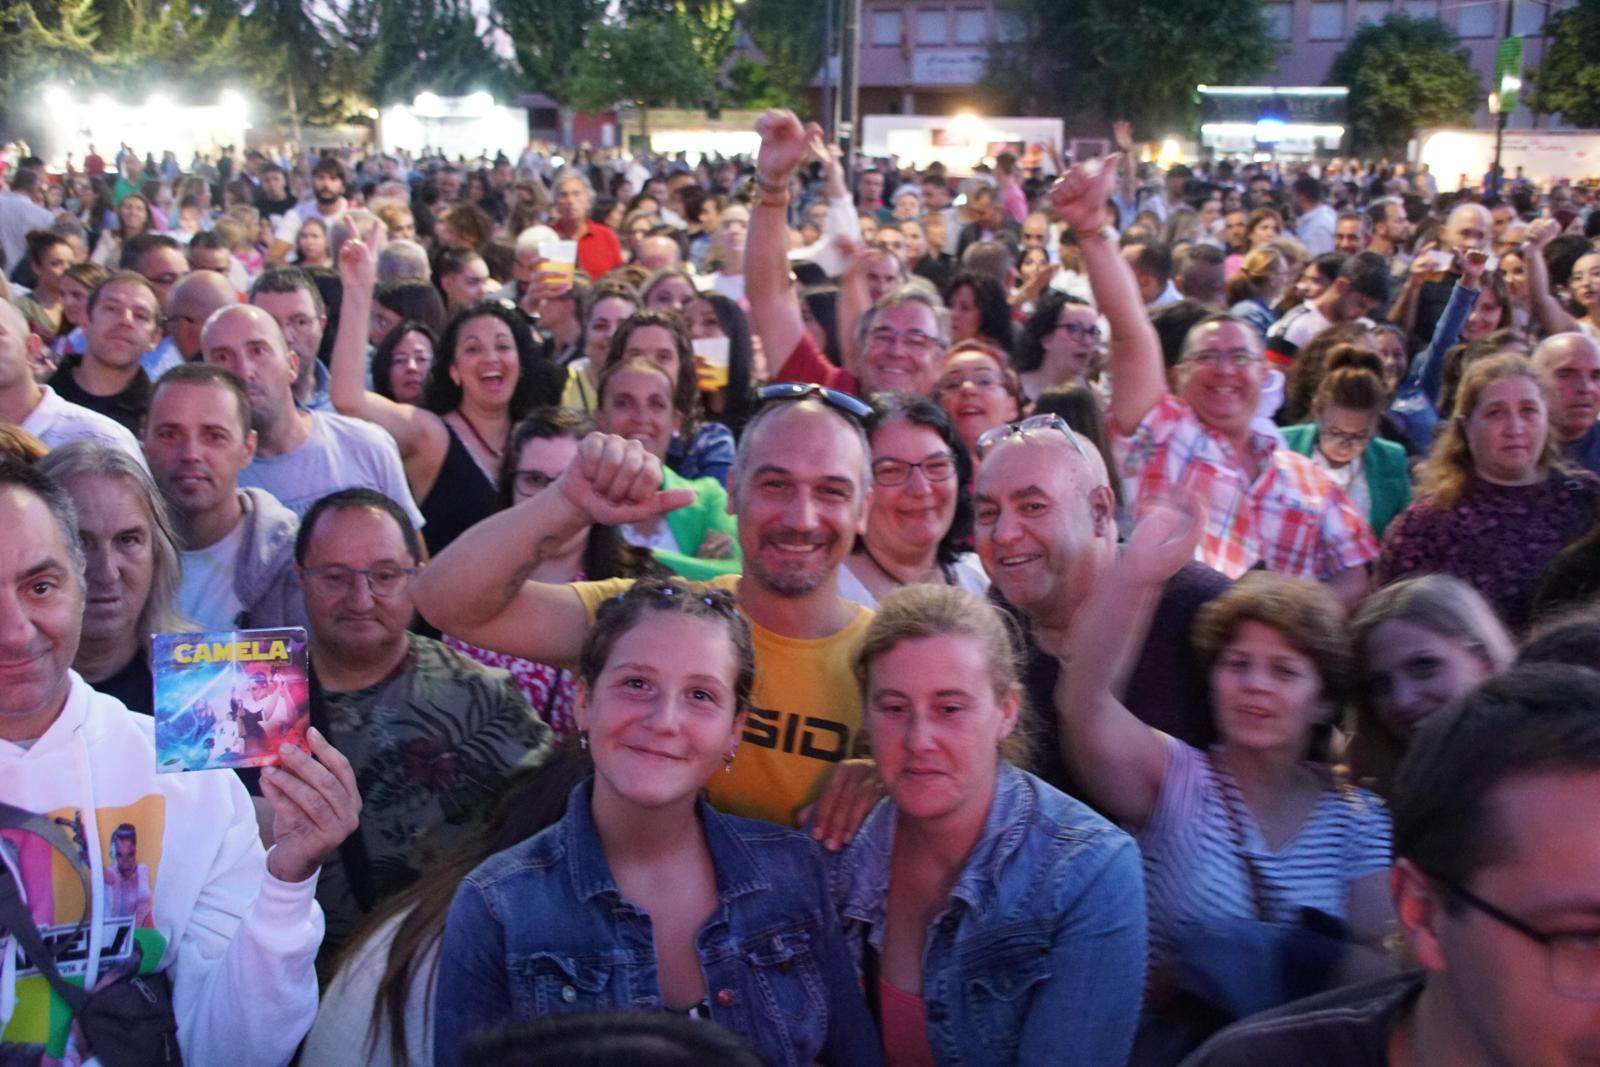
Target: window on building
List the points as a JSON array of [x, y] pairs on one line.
[[886, 28], [1280, 20], [1478, 18], [972, 26], [931, 27], [1327, 21], [1371, 11], [1421, 9], [1527, 18]]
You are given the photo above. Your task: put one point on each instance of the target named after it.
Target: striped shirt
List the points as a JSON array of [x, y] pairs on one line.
[[1292, 518], [1193, 871]]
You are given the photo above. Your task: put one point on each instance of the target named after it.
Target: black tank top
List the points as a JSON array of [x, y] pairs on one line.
[[460, 497]]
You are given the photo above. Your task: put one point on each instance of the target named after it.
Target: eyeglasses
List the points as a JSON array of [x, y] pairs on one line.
[[888, 337], [1237, 359], [336, 581], [1079, 332], [995, 434], [1340, 437], [795, 391], [940, 468], [980, 380], [1574, 958], [529, 482]]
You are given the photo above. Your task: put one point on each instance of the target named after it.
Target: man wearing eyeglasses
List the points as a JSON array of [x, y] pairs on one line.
[[800, 487], [1496, 885], [433, 737], [1265, 505], [238, 544], [902, 339]]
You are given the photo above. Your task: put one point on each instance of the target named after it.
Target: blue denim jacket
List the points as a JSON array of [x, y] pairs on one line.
[[542, 928], [1038, 957], [1416, 403]]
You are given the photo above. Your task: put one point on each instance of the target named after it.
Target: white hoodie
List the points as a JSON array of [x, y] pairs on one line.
[[238, 944]]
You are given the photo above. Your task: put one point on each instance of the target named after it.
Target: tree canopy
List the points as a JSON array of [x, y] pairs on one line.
[[1404, 73], [1133, 59], [1568, 81]]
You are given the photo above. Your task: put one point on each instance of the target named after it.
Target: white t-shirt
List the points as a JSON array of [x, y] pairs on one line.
[[1300, 324], [207, 595], [968, 572], [340, 453], [57, 421]]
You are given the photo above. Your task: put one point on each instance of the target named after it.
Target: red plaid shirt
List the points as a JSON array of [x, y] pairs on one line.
[[1292, 517]]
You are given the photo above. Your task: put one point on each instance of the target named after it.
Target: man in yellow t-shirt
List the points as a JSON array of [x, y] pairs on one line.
[[800, 487]]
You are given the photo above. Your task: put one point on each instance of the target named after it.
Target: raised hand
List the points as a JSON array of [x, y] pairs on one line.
[[1122, 134], [1164, 539], [1471, 263], [785, 143], [615, 481], [1541, 232], [315, 806], [358, 265], [1080, 194]]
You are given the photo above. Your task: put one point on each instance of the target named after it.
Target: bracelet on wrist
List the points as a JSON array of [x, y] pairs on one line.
[[768, 185], [768, 198]]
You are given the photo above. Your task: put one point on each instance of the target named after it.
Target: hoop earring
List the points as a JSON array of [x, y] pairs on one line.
[[727, 764]]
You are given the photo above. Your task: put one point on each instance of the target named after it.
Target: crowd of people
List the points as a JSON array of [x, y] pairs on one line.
[[801, 609]]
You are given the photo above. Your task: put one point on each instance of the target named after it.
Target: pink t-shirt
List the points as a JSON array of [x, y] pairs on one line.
[[905, 1027]]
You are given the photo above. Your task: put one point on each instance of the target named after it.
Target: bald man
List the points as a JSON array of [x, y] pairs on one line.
[[1046, 530], [192, 300], [1569, 365], [659, 253], [301, 456]]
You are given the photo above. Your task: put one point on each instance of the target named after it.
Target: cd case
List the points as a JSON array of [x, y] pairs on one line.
[[229, 699]]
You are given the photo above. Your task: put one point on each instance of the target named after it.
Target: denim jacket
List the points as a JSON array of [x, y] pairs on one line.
[[1038, 956], [1416, 404], [542, 928]]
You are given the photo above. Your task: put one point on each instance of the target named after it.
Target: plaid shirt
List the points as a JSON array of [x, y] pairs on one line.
[[1292, 518]]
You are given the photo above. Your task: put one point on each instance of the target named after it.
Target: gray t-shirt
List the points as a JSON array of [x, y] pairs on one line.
[[341, 453]]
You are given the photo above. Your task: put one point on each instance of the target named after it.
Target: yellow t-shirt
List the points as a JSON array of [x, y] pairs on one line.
[[805, 714]]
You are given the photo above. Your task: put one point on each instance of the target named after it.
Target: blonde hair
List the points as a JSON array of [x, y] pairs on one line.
[[1254, 273], [1449, 468], [922, 611]]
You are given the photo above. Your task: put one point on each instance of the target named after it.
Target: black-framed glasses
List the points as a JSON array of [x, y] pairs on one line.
[[1080, 332], [940, 468], [1574, 958], [995, 434], [530, 482], [337, 581], [780, 392], [1341, 437]]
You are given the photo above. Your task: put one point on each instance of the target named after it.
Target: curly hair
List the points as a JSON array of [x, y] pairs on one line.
[[686, 393], [539, 382]]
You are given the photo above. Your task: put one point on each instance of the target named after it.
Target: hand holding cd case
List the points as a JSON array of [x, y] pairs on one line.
[[229, 699]]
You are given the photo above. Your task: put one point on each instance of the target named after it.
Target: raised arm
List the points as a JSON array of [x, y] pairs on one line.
[[1119, 759], [1546, 308], [1404, 312], [773, 311], [478, 588], [413, 429], [1138, 378]]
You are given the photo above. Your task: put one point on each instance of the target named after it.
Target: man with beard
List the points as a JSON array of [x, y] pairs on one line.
[[328, 204], [800, 487]]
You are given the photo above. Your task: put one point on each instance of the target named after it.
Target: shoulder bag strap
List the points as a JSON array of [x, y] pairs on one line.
[[14, 913], [1257, 896]]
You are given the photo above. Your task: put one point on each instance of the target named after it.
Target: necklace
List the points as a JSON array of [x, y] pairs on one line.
[[896, 579], [478, 437]]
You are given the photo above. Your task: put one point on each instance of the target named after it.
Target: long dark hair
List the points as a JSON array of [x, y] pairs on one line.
[[920, 411], [1041, 324], [536, 798], [606, 555], [823, 303], [994, 314], [383, 355], [741, 355], [539, 381]]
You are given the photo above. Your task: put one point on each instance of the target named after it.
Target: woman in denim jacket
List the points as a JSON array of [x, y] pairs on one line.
[[997, 920], [643, 896]]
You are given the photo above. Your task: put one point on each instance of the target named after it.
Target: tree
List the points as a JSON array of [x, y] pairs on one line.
[[548, 37], [437, 46], [1134, 59], [1568, 81], [789, 38], [647, 63], [1404, 73]]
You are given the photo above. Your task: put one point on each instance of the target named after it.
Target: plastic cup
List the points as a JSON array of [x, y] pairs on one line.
[[560, 258], [711, 357]]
